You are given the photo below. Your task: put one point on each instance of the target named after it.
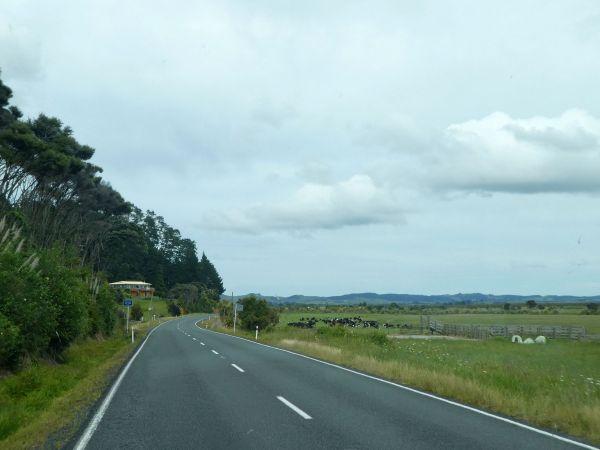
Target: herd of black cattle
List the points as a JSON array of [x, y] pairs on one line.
[[353, 322]]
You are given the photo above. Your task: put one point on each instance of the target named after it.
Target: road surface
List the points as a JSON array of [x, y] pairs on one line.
[[193, 388]]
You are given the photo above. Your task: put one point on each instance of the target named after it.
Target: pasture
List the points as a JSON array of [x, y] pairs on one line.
[[590, 322]]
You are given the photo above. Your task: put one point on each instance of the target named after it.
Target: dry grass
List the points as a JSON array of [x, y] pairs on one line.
[[323, 350]]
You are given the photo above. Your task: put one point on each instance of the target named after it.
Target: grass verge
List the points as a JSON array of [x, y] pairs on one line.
[[44, 404], [555, 386]]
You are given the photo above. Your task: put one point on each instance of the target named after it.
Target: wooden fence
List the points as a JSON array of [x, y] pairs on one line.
[[487, 331]]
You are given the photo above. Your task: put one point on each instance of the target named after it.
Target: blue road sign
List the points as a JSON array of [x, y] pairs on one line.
[[127, 302]]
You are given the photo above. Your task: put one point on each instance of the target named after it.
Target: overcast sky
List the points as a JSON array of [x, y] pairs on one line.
[[331, 147]]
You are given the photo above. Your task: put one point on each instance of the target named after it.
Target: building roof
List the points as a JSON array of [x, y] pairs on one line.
[[120, 283]]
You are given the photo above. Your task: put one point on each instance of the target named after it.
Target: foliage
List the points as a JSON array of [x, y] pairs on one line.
[[208, 275], [46, 303], [10, 342], [136, 312], [173, 309], [77, 227], [143, 246], [257, 312], [194, 297], [208, 301], [225, 310]]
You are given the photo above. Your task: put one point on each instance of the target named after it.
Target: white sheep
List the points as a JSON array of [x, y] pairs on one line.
[[528, 341], [517, 339], [540, 340]]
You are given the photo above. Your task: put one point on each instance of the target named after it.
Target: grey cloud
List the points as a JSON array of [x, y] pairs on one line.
[[576, 139], [536, 155]]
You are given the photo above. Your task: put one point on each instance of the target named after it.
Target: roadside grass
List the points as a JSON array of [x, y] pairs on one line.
[[555, 386], [159, 307], [45, 403]]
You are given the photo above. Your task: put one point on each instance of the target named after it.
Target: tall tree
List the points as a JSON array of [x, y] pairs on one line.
[[208, 275]]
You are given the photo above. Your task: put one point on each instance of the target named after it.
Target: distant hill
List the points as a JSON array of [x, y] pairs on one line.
[[378, 299]]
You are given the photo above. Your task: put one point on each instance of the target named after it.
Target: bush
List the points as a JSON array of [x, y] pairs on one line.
[[173, 309], [24, 300], [106, 309], [379, 338], [257, 312], [46, 303], [69, 295], [136, 312], [10, 343], [225, 310]]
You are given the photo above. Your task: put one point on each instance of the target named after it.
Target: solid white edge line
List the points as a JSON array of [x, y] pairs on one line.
[[293, 407], [93, 425], [238, 368], [215, 352], [416, 391]]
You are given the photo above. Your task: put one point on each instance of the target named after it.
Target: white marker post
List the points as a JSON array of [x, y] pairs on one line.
[[256, 336], [132, 335]]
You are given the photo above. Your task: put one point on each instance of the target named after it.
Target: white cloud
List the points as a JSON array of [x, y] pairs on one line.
[[501, 154], [355, 201]]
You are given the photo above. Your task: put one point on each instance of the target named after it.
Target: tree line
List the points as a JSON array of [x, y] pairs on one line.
[[65, 232]]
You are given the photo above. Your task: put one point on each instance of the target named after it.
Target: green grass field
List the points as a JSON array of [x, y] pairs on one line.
[[159, 307], [555, 386], [590, 322]]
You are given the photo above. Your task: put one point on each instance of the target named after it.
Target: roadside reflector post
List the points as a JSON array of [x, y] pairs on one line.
[[256, 336], [132, 334]]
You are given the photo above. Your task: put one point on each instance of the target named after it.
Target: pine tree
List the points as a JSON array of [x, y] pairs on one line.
[[208, 275]]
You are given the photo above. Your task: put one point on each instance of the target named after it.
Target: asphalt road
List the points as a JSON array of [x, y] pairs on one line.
[[193, 388]]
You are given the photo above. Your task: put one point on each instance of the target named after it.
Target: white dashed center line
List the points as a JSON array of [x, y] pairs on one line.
[[293, 407], [238, 368], [195, 339], [201, 343], [215, 352]]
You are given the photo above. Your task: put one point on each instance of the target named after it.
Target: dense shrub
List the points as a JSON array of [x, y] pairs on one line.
[[173, 309], [257, 312], [24, 300], [69, 296], [46, 303], [225, 310], [106, 308], [136, 312], [10, 342]]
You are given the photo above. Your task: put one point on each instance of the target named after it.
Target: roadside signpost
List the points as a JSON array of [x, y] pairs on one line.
[[236, 307], [127, 302]]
